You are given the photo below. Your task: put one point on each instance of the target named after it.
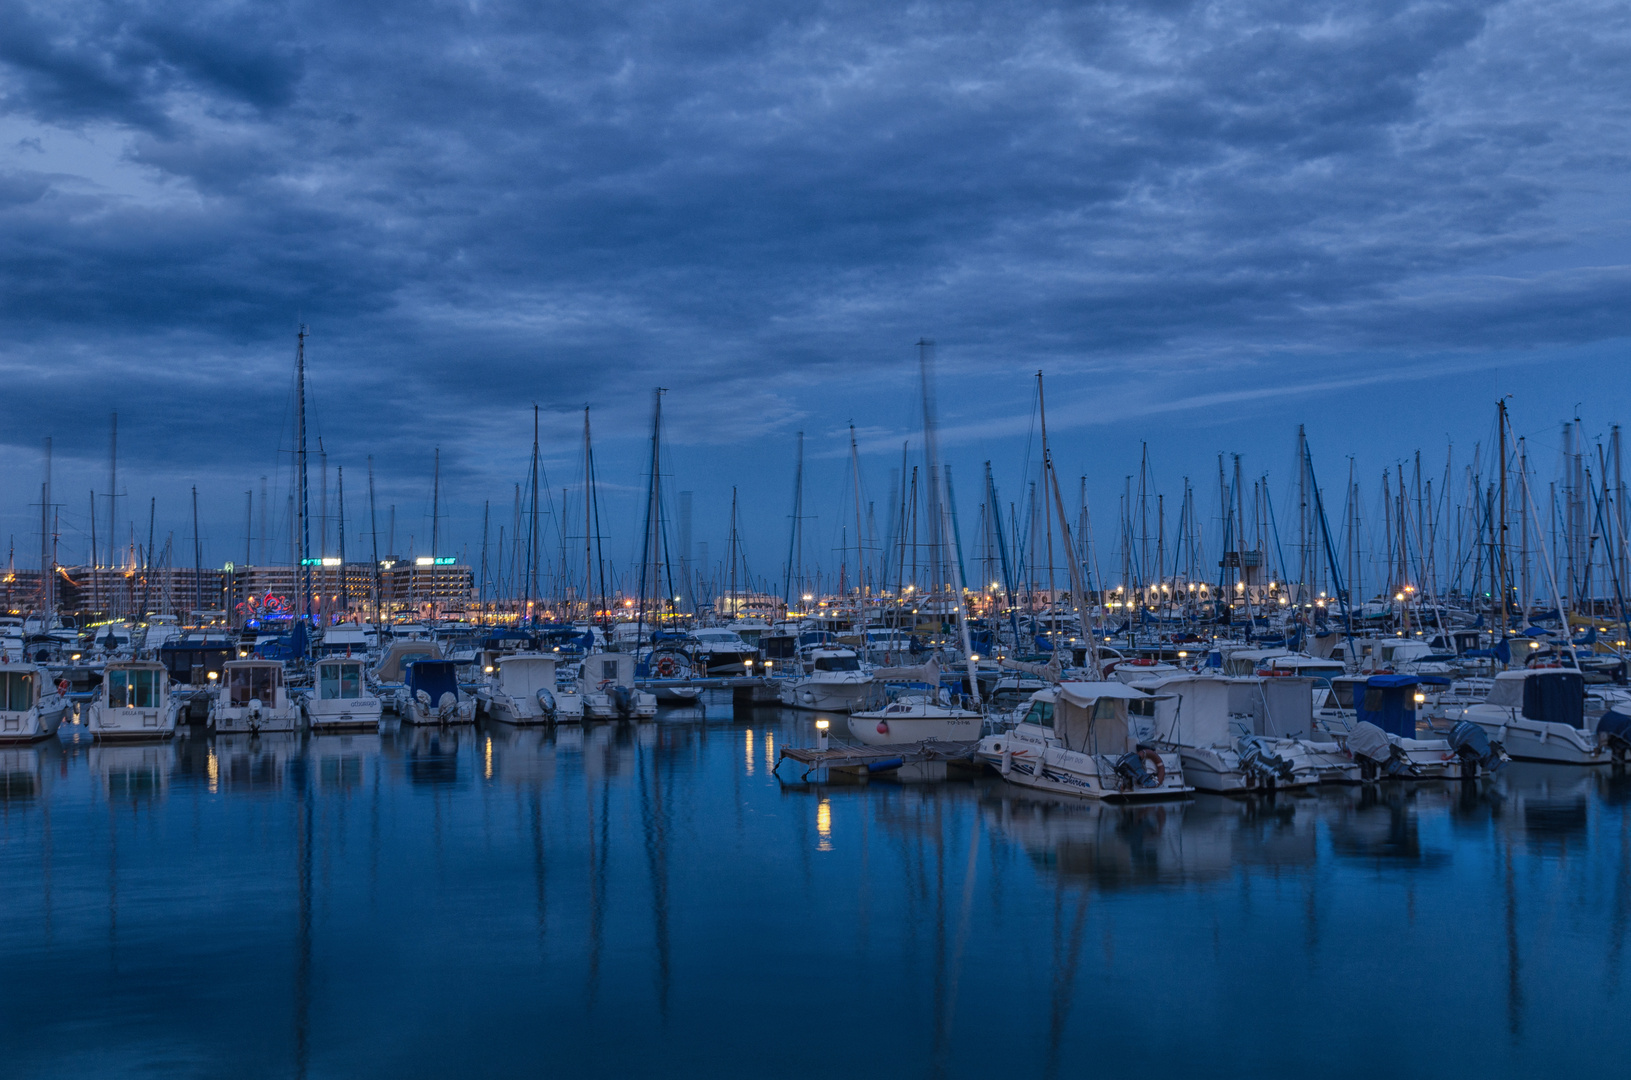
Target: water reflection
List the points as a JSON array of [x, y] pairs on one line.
[[626, 893]]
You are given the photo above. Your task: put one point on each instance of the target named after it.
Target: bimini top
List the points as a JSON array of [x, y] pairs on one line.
[[1085, 693]]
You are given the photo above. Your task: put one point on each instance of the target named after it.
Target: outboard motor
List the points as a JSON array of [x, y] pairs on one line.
[[546, 701], [623, 698], [1472, 746], [1614, 732], [1130, 767], [1371, 747], [1262, 764]]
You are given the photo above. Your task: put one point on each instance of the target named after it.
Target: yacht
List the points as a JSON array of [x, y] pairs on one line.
[[430, 694], [31, 706], [1227, 731], [339, 699], [1078, 739], [607, 691], [252, 696], [834, 682], [915, 718], [719, 650], [1539, 714], [386, 678], [134, 702], [519, 688]]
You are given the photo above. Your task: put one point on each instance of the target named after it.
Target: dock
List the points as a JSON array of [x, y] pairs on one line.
[[930, 760]]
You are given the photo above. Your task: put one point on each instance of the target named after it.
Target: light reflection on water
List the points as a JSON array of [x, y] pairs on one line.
[[651, 898]]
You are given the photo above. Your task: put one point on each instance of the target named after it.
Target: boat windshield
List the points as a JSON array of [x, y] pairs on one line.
[[837, 663], [246, 684], [1041, 714], [338, 681], [16, 690], [136, 689]]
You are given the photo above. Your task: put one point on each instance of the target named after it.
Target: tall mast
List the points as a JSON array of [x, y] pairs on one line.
[[303, 478], [198, 560], [534, 593], [373, 535], [1077, 592], [435, 505], [588, 518], [860, 547], [1501, 572], [113, 487], [47, 571], [795, 549], [339, 514]]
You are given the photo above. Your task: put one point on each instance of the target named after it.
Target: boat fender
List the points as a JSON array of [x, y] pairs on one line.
[[883, 727], [1007, 759], [884, 765]]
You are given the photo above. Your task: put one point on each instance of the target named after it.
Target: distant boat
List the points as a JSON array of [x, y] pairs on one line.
[[913, 719], [31, 706], [430, 694], [1540, 715], [339, 699], [134, 702], [252, 696], [606, 687], [519, 688], [836, 682]]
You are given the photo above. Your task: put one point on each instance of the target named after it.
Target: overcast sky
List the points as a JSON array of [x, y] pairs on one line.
[[1206, 222]]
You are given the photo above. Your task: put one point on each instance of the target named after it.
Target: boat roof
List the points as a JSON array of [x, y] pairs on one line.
[[1081, 693]]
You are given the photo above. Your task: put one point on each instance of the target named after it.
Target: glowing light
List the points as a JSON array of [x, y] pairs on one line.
[[770, 750], [821, 725], [749, 752], [824, 826], [212, 769], [1420, 698], [487, 759]]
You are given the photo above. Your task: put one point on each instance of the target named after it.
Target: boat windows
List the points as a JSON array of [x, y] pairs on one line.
[[1507, 693], [1041, 714], [837, 663], [17, 690], [246, 684], [136, 689], [608, 669], [1344, 694], [337, 681], [1144, 707]]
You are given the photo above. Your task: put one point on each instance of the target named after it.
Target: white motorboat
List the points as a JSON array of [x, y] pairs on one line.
[[339, 699], [835, 682], [1224, 731], [719, 650], [430, 694], [914, 719], [31, 706], [1539, 714], [252, 696], [607, 691], [1374, 718], [134, 702], [1078, 739], [519, 688]]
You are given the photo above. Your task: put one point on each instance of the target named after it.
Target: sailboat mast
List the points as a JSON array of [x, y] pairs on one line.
[[588, 518], [373, 534], [300, 467], [1077, 591], [1501, 571]]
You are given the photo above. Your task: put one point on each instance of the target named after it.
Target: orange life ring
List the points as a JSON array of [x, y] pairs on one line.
[[666, 667], [1150, 757]]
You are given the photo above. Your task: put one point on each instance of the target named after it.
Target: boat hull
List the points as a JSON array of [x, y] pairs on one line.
[[818, 696], [875, 729]]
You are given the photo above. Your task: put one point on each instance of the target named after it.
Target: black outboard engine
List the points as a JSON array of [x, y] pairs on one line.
[[623, 698], [1130, 767], [546, 701], [1260, 764], [1614, 732], [1376, 753], [1477, 753]]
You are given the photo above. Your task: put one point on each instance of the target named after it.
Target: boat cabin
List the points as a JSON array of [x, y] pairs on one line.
[[246, 681], [339, 679], [1551, 695], [522, 676], [608, 669], [434, 677], [1090, 718], [400, 655]]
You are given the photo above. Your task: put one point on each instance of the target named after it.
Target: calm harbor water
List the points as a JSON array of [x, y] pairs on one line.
[[651, 899]]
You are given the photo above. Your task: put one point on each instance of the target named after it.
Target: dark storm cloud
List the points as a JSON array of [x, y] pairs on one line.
[[482, 205]]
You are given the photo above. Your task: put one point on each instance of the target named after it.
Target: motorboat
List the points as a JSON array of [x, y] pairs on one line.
[[31, 705], [719, 650], [134, 702], [430, 694], [339, 699], [606, 688], [386, 678], [519, 688], [1539, 714], [915, 718], [1226, 731], [252, 696], [1379, 730], [834, 682], [1078, 739], [195, 661]]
